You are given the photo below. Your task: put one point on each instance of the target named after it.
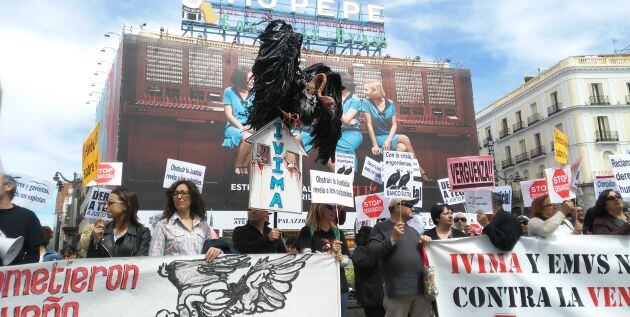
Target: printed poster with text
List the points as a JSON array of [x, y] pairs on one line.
[[561, 146], [91, 156], [398, 173], [532, 189], [471, 173], [621, 170], [559, 184]]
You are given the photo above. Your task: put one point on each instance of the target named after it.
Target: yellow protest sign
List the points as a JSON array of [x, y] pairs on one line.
[[91, 156], [561, 146]]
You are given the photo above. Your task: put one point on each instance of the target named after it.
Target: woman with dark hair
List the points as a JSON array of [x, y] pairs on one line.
[[321, 234], [609, 215], [236, 102], [368, 278], [124, 236], [183, 228], [547, 220], [442, 216]]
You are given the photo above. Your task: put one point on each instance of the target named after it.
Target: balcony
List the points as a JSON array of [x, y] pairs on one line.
[[533, 118], [599, 100], [517, 126], [536, 152], [606, 136], [554, 109], [507, 163], [503, 133], [523, 157]]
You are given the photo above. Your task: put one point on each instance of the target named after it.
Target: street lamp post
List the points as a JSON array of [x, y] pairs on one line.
[[71, 229]]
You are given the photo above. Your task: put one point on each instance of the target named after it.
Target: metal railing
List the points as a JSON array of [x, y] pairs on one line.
[[533, 118], [599, 100], [507, 163], [554, 109], [523, 157], [606, 136], [503, 133], [517, 126], [537, 151]]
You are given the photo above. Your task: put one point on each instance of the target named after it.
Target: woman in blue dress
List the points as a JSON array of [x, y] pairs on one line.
[[351, 136], [236, 101]]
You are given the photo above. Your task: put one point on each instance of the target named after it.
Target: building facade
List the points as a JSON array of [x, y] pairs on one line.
[[586, 97]]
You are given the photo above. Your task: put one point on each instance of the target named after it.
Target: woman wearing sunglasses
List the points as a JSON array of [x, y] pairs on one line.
[[442, 216], [124, 236], [547, 220], [183, 228], [609, 215]]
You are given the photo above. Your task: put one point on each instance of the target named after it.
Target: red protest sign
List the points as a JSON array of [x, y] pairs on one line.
[[106, 173], [373, 206], [559, 184], [533, 189], [471, 173]]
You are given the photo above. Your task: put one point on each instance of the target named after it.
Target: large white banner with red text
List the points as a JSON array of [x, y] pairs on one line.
[[232, 285], [561, 276]]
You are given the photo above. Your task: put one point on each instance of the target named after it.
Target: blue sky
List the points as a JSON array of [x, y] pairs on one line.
[[50, 50]]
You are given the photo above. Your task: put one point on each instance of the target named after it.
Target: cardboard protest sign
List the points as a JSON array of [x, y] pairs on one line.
[[33, 193], [108, 173], [97, 203], [576, 173], [533, 189], [559, 184], [471, 172], [561, 146], [602, 183], [416, 168], [506, 195], [621, 169], [397, 173], [449, 197], [177, 170], [91, 156], [372, 170], [331, 188], [371, 206], [478, 200], [416, 189], [344, 163]]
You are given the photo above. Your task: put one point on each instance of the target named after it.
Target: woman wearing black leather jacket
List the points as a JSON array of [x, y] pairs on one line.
[[124, 236]]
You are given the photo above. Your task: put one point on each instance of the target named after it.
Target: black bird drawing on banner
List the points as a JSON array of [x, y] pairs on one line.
[[393, 180], [348, 171], [299, 97], [404, 180], [205, 290], [341, 170]]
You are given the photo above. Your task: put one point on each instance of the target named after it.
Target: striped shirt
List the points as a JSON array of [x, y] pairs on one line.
[[171, 237]]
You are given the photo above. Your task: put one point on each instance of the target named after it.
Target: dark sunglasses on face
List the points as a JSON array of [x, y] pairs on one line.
[[407, 204], [613, 197], [524, 222], [460, 219]]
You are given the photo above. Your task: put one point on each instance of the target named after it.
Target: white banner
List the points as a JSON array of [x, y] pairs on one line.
[[176, 170], [109, 173], [228, 220], [559, 184], [232, 285], [506, 196], [372, 170], [478, 200], [34, 193], [601, 183], [397, 173], [621, 169], [371, 206], [533, 189], [553, 277], [331, 188], [97, 203], [344, 163], [449, 197]]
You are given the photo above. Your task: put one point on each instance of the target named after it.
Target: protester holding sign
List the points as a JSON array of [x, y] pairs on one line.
[[16, 221], [256, 236], [504, 230], [351, 136], [183, 228], [547, 220], [368, 278], [321, 234], [609, 215], [236, 101], [124, 236], [442, 216], [396, 246]]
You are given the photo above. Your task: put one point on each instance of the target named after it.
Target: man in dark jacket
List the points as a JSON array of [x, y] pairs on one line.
[[504, 230], [368, 278], [396, 246], [256, 236]]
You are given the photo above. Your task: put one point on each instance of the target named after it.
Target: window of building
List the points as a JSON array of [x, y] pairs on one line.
[[537, 141], [197, 95], [489, 133], [596, 90], [172, 93], [508, 153], [554, 98], [602, 125], [522, 145], [154, 91], [518, 117], [532, 109], [504, 124]]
